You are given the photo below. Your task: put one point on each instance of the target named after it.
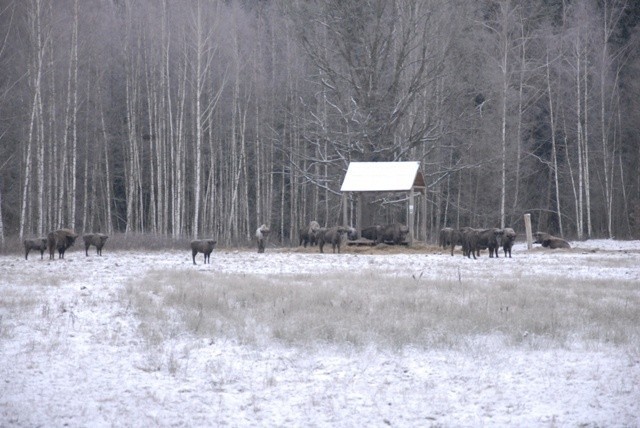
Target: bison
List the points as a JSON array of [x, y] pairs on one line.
[[395, 233], [333, 235], [446, 236], [371, 232], [96, 239], [550, 241], [60, 240], [508, 238], [489, 239], [309, 234], [39, 244], [262, 233], [474, 240], [469, 240], [456, 238], [204, 246]]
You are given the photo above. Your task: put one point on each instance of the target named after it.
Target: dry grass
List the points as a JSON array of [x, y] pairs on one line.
[[368, 309]]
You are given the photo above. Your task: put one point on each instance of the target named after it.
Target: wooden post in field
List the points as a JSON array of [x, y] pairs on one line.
[[527, 226]]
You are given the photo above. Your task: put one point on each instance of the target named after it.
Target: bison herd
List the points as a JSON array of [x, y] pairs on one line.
[[60, 240], [470, 239], [473, 240], [313, 234]]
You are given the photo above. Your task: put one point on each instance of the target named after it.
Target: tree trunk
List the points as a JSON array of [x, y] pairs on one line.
[[554, 156]]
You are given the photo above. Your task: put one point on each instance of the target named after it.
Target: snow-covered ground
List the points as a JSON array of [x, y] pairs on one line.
[[71, 355]]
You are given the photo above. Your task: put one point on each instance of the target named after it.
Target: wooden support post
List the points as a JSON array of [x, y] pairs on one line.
[[359, 197], [345, 218], [527, 226], [412, 200]]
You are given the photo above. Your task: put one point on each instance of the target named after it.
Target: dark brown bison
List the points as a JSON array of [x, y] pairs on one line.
[[96, 239], [309, 234], [371, 232], [446, 236], [39, 244], [204, 246], [550, 241], [474, 240], [262, 233], [394, 233], [456, 238], [508, 238], [469, 240], [489, 239], [334, 236], [60, 240]]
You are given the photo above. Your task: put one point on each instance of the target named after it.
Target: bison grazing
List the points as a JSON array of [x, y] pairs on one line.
[[309, 234], [39, 244], [204, 246], [60, 240], [333, 235], [262, 233], [550, 241], [508, 238], [395, 233], [95, 239], [371, 232]]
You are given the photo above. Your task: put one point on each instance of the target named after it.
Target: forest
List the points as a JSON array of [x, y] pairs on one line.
[[211, 117]]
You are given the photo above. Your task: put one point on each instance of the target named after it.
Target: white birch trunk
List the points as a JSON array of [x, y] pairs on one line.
[[580, 137], [587, 181], [198, 113], [554, 156], [74, 141], [36, 70]]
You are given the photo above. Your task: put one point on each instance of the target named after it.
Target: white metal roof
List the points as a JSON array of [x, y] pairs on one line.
[[382, 177]]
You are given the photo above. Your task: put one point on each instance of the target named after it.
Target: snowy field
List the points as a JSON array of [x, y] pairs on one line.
[[73, 350]]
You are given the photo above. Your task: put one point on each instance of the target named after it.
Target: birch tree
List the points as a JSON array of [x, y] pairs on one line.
[[34, 133]]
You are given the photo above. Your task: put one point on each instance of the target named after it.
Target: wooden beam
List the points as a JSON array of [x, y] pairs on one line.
[[412, 201]]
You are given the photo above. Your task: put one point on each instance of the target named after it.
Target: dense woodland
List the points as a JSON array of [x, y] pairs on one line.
[[209, 117]]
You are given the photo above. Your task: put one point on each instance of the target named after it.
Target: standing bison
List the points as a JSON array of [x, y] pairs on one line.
[[60, 240], [333, 236], [39, 244], [204, 246], [474, 240], [550, 241], [455, 237], [446, 236], [309, 234], [96, 239], [469, 240], [489, 239], [262, 233], [508, 238]]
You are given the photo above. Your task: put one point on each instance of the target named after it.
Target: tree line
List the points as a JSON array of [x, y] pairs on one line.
[[211, 117]]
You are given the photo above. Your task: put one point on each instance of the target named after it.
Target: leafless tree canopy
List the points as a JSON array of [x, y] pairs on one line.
[[211, 117]]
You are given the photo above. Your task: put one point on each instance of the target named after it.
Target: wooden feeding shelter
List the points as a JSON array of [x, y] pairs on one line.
[[379, 177]]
